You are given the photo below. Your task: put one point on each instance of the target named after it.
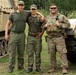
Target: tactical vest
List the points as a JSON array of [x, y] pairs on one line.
[[52, 29], [51, 23]]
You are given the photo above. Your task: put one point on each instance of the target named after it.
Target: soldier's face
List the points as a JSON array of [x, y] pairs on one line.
[[21, 7], [33, 11], [53, 9]]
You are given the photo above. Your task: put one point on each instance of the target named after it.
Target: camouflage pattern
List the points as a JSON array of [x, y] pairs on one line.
[[34, 45], [16, 44], [55, 39], [51, 24], [57, 44], [51, 20]]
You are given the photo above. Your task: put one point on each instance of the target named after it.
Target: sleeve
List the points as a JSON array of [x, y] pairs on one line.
[[28, 14], [11, 17], [65, 23], [46, 19], [45, 22], [43, 25], [27, 20]]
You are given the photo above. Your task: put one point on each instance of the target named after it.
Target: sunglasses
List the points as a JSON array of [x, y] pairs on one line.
[[33, 9], [53, 8]]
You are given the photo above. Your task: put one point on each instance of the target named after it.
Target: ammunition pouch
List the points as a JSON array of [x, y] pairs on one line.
[[52, 28]]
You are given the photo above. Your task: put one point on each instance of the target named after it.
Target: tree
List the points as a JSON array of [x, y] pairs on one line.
[[64, 6]]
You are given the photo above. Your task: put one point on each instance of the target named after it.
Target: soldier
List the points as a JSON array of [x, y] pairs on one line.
[[34, 42], [56, 24], [17, 36]]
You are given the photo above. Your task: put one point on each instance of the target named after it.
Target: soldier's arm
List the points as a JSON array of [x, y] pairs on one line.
[[39, 35], [42, 17], [10, 20], [65, 23], [45, 24], [7, 29]]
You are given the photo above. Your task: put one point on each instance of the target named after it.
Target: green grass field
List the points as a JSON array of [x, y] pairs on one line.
[[45, 64]]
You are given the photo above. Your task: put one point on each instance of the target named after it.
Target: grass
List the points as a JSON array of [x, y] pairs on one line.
[[45, 64]]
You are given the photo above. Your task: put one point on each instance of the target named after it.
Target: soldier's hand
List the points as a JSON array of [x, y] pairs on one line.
[[57, 23], [39, 35], [41, 19], [46, 25], [6, 37]]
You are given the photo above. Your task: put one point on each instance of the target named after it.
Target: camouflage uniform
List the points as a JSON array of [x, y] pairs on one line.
[[55, 39], [34, 44]]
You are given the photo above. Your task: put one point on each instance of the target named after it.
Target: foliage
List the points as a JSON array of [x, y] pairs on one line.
[[64, 6], [72, 14]]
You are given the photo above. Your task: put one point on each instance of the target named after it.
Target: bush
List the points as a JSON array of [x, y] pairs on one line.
[[72, 14]]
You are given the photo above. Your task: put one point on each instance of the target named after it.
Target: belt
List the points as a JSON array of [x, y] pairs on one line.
[[53, 34], [34, 35]]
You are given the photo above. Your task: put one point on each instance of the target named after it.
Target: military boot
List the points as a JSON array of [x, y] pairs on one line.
[[10, 70], [51, 70], [29, 70], [38, 69], [20, 68], [64, 71]]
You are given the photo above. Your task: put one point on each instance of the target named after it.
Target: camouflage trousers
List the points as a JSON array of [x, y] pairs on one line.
[[34, 46], [57, 44], [16, 45]]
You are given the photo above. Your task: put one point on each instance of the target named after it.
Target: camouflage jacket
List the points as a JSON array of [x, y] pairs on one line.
[[54, 30]]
